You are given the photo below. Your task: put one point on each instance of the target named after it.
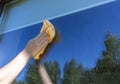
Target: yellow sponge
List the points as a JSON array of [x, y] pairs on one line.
[[49, 29]]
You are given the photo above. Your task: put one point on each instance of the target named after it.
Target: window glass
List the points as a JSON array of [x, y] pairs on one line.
[[88, 51]]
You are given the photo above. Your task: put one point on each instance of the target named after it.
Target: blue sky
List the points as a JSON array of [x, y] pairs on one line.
[[82, 36]]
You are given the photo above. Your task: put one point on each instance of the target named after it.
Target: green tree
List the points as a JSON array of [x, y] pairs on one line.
[[110, 56], [72, 73], [17, 82], [14, 82], [52, 68], [112, 45], [108, 66], [32, 74], [21, 82]]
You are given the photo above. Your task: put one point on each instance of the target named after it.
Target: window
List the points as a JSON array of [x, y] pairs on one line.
[[89, 49]]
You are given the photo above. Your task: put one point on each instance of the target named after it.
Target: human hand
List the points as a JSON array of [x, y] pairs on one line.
[[37, 45]]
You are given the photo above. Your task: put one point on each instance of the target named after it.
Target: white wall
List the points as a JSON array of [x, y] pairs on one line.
[[29, 12]]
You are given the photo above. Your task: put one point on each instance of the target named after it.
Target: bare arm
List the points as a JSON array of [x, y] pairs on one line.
[[9, 72]]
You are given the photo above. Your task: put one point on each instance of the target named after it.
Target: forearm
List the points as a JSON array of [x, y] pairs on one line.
[[9, 72], [44, 75]]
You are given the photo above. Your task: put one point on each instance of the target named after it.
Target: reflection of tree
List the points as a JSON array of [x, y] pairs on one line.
[[72, 73], [14, 82], [18, 82], [32, 76], [106, 71], [110, 57]]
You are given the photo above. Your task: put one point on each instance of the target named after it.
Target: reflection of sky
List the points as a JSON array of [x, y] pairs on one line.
[[82, 36]]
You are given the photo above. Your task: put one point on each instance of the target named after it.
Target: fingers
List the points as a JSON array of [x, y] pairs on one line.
[[40, 35], [40, 39], [39, 42]]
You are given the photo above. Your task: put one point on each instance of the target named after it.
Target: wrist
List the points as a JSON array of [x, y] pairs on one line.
[[26, 53]]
